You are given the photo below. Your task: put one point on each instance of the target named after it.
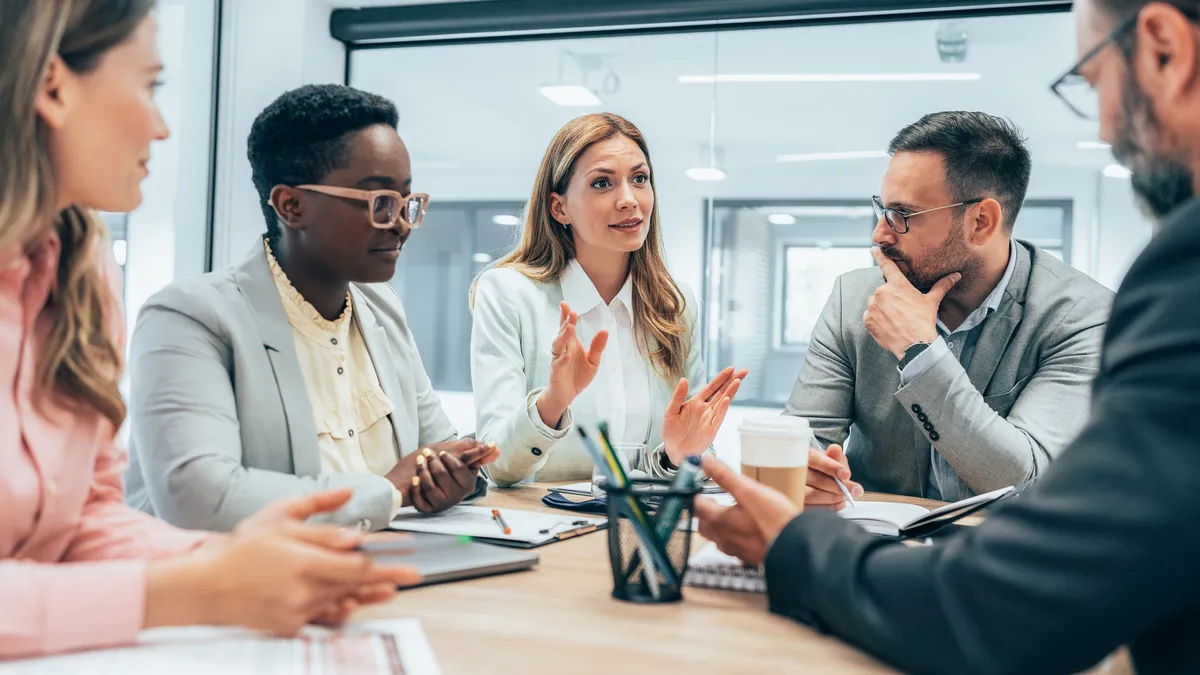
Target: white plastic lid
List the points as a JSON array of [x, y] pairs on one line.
[[788, 426]]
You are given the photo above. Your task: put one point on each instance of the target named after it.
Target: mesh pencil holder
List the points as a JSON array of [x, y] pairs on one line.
[[627, 551]]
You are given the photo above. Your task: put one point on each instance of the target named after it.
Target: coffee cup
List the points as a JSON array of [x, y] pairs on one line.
[[775, 453]]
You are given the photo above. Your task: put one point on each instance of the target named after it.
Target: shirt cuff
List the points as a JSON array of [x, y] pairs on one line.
[[542, 428], [923, 361], [397, 500]]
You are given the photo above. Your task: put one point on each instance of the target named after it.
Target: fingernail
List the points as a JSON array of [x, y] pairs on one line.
[[420, 460], [427, 452], [442, 453], [416, 481]]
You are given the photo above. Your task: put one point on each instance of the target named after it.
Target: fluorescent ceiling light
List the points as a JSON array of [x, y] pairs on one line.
[[505, 219], [705, 173], [827, 156], [571, 95], [1093, 145], [778, 215], [776, 78], [781, 219], [1117, 171], [482, 258]]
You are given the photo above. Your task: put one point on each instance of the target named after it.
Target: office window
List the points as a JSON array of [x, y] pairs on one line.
[[809, 272], [441, 259], [743, 125]]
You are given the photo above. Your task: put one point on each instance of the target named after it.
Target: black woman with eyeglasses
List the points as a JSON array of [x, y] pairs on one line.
[[962, 363], [295, 370]]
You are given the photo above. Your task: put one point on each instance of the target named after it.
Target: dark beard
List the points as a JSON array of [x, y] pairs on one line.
[[952, 256], [1159, 183]]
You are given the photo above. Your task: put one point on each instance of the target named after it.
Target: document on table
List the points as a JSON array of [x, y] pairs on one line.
[[389, 647]]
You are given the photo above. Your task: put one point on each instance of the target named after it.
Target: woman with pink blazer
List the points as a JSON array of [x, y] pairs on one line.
[[77, 117]]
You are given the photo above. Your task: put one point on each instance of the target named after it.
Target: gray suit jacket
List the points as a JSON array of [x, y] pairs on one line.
[[220, 415], [999, 423]]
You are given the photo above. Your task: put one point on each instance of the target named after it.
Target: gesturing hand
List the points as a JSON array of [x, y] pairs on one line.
[[690, 425], [747, 528], [899, 315], [572, 368]]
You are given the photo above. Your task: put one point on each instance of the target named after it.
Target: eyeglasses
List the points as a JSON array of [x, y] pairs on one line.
[[1074, 89], [387, 207], [898, 220]]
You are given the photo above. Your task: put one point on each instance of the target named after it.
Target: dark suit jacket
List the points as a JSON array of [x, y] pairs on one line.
[[1102, 550]]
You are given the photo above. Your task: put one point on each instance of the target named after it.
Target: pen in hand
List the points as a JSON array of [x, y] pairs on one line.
[[845, 492]]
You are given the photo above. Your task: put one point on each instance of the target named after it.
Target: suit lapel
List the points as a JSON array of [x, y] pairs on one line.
[[998, 329], [258, 287], [379, 348]]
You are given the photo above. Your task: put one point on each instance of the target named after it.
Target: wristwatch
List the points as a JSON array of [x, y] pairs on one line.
[[911, 353]]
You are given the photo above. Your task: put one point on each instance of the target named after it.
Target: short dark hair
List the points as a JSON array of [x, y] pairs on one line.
[[302, 136], [1123, 9], [985, 156]]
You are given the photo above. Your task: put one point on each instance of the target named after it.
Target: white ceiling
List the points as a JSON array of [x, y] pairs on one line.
[[474, 109]]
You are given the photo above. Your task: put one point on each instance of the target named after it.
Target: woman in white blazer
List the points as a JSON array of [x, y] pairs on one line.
[[590, 267]]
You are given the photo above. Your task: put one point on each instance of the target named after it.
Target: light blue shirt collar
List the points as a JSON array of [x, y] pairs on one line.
[[992, 302]]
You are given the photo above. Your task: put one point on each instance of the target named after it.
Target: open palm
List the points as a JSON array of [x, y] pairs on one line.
[[690, 424], [572, 367]]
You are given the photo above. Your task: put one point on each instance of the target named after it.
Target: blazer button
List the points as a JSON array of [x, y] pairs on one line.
[[351, 433], [928, 426], [916, 408], [920, 416], [537, 452], [341, 370], [933, 436]]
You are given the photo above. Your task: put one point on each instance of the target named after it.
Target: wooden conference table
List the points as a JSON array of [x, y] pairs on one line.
[[560, 618]]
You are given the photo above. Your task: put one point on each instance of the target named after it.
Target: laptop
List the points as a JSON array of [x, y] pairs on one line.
[[441, 558]]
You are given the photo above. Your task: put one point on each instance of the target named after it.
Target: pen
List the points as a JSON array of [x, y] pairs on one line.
[[845, 492], [500, 521]]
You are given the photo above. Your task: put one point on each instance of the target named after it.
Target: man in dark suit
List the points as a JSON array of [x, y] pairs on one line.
[[1103, 549]]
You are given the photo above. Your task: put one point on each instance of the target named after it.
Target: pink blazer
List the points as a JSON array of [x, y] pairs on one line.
[[72, 555]]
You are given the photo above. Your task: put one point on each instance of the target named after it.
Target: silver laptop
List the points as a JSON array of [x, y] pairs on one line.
[[441, 558]]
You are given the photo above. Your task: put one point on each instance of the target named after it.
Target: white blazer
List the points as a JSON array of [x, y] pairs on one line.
[[515, 321]]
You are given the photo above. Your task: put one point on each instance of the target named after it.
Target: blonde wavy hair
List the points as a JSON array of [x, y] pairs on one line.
[[546, 247], [80, 363]]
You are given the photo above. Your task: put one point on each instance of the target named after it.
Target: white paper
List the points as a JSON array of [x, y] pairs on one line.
[[530, 527], [369, 648], [883, 517]]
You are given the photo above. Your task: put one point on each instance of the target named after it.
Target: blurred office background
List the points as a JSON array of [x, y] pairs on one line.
[[767, 123]]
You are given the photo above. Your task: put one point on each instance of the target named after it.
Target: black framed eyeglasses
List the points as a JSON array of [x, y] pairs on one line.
[[898, 220], [1074, 89]]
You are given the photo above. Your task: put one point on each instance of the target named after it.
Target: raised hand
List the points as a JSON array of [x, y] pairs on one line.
[[572, 369], [690, 424], [899, 315], [747, 528]]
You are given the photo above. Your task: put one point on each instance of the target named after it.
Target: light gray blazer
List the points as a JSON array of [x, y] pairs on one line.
[[221, 422], [999, 423]]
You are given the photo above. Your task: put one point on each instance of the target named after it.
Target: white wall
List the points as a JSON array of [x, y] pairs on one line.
[[268, 47]]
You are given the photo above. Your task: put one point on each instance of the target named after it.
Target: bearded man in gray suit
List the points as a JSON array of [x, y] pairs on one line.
[[963, 362]]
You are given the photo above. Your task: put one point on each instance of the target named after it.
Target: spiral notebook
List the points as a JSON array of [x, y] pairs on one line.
[[710, 568]]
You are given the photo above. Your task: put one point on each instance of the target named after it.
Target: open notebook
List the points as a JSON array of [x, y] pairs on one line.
[[710, 568]]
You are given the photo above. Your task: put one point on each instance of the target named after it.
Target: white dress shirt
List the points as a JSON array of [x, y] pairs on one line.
[[515, 322]]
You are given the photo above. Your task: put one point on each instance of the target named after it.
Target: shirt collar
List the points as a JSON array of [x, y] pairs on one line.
[[580, 293], [992, 302]]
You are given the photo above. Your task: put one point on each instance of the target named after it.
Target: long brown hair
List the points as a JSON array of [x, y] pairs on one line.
[[80, 363], [547, 247]]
